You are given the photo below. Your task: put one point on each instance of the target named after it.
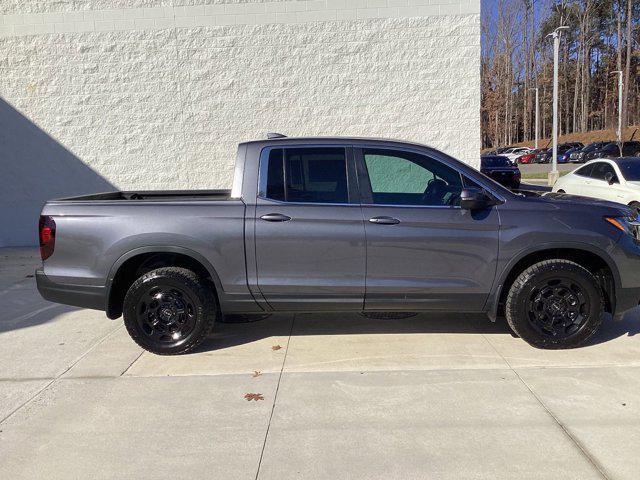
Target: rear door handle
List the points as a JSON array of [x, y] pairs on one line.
[[384, 220], [275, 217]]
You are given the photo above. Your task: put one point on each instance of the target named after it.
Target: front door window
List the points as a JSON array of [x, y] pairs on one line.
[[406, 178]]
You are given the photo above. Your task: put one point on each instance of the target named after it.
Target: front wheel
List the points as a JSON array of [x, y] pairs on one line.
[[169, 311], [555, 304], [636, 207]]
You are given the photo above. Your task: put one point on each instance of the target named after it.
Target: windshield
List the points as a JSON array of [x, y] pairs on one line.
[[630, 169], [593, 146], [492, 162]]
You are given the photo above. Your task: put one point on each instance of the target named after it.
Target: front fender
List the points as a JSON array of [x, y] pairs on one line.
[[494, 297]]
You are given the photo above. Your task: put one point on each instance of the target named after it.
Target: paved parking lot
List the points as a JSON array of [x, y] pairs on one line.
[[330, 397], [529, 168]]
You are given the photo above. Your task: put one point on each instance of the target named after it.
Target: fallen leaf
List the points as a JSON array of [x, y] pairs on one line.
[[253, 396], [256, 373], [276, 347]]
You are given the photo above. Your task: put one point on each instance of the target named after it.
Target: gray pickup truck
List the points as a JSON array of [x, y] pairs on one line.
[[342, 224]]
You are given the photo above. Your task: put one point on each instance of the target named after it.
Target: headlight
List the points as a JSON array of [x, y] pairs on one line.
[[629, 225]]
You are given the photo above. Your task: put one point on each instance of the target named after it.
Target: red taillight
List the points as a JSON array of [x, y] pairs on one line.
[[47, 229]]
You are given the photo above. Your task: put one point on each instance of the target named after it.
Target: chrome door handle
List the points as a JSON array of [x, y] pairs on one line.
[[275, 217], [384, 220]]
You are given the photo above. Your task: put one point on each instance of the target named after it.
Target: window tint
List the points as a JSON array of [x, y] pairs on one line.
[[405, 178], [313, 175], [600, 170], [585, 171], [495, 161]]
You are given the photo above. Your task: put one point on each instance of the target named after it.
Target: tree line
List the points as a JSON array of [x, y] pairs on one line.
[[517, 57]]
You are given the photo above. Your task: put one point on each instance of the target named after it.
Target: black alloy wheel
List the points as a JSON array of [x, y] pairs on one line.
[[169, 311], [555, 304], [166, 314], [558, 308]]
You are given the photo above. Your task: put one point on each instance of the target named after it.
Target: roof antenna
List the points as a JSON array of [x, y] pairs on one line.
[[272, 135]]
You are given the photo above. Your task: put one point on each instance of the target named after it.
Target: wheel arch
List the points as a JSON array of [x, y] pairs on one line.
[[595, 260], [136, 262]]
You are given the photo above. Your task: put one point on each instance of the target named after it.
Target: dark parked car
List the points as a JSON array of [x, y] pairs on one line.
[[342, 224], [542, 156], [501, 169], [566, 157], [547, 155], [612, 150], [580, 155]]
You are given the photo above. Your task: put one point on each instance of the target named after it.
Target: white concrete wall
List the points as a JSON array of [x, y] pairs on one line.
[[157, 93]]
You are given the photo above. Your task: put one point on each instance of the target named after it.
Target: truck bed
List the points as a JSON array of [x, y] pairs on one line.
[[151, 195]]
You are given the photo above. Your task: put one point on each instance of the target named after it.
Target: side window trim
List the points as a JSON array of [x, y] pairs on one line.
[[263, 167]]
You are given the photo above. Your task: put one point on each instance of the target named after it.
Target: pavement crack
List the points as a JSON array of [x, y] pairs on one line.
[[275, 397], [131, 364], [59, 376], [594, 463]]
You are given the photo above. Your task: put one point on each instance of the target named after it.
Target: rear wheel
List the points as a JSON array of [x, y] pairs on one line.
[[555, 304], [636, 207], [169, 311], [561, 191]]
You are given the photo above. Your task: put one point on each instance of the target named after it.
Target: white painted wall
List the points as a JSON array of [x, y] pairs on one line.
[[157, 93]]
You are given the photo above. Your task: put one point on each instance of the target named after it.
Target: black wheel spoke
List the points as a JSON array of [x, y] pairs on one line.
[[166, 314], [558, 307]]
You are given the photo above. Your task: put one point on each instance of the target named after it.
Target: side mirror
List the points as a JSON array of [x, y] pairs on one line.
[[474, 199], [609, 178]]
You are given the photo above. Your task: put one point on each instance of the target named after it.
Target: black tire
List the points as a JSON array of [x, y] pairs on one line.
[[565, 318], [169, 311], [636, 206], [561, 191]]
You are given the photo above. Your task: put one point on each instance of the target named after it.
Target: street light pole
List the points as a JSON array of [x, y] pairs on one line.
[[553, 175], [537, 116], [620, 85]]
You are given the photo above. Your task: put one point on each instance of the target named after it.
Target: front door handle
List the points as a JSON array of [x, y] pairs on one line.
[[384, 220], [275, 217]]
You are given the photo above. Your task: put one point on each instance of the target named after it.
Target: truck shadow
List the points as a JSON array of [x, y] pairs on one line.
[[35, 168], [228, 335]]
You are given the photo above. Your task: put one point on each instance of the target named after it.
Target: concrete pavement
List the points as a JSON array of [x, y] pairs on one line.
[[338, 396], [528, 168]]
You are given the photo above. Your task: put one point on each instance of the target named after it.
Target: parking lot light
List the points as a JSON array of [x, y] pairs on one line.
[[553, 175], [620, 87], [537, 115]]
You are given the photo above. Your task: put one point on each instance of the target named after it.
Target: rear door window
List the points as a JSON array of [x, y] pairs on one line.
[[308, 175]]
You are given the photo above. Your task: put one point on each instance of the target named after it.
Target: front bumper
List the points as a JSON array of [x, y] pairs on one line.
[[84, 296], [626, 257]]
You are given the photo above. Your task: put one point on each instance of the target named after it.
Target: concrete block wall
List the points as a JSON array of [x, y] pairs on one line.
[[155, 94]]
